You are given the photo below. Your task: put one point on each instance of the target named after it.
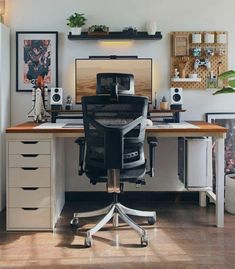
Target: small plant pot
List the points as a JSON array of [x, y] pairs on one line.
[[163, 105], [230, 193], [76, 30]]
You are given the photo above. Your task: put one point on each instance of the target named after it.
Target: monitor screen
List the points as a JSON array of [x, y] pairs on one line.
[[87, 69]]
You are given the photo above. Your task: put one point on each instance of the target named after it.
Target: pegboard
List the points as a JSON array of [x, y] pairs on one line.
[[220, 55]]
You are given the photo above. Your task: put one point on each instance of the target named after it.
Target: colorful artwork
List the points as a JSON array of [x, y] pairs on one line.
[[37, 61], [36, 55]]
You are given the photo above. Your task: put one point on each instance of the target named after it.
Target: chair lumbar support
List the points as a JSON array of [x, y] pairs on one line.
[[115, 210]]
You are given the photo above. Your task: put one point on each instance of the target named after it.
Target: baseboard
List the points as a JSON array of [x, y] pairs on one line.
[[172, 196]]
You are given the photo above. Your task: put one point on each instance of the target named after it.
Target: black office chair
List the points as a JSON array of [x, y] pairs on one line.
[[113, 150]]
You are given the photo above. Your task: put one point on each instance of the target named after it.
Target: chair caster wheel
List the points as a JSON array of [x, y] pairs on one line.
[[151, 220], [144, 241], [74, 223], [88, 242]]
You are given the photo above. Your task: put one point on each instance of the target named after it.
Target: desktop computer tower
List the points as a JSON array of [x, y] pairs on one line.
[[195, 162]]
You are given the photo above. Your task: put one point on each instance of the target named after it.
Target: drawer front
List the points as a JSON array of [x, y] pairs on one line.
[[35, 218], [29, 197], [29, 177], [29, 160], [29, 147]]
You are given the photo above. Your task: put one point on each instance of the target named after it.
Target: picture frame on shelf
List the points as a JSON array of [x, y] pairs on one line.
[[227, 120], [36, 55]]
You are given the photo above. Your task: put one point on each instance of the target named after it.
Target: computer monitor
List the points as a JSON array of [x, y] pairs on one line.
[[86, 71]]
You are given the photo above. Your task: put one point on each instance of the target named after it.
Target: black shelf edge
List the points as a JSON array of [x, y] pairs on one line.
[[116, 35]]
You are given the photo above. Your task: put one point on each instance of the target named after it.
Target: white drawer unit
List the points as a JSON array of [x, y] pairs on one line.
[[29, 160], [29, 147], [29, 197], [29, 177], [29, 218], [29, 190]]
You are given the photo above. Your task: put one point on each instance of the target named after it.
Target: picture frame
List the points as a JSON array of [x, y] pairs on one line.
[[227, 120], [36, 55]]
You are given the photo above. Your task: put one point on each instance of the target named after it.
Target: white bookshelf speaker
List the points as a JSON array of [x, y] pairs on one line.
[[176, 98], [56, 99]]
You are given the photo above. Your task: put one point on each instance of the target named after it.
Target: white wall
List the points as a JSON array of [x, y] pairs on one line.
[[181, 15]]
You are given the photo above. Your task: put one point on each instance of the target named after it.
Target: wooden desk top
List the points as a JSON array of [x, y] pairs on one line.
[[204, 129]]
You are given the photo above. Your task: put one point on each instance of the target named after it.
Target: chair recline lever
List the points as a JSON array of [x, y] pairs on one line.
[[152, 141], [81, 142]]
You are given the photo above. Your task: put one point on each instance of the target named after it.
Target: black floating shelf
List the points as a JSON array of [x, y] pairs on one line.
[[116, 35]]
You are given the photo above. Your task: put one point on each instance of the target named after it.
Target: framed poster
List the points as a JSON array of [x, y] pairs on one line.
[[36, 55], [226, 120]]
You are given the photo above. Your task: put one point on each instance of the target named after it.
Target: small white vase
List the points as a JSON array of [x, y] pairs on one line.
[[151, 27], [75, 30]]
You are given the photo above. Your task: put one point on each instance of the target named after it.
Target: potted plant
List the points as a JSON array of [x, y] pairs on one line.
[[75, 22], [228, 79], [98, 30]]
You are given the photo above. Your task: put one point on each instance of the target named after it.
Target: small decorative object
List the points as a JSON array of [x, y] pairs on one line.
[[98, 30], [196, 38], [180, 44], [163, 104], [36, 55], [69, 104], [151, 27], [75, 22], [211, 81], [196, 52], [209, 52], [39, 99], [176, 73], [209, 38], [182, 64], [193, 75], [221, 38], [202, 62], [220, 51], [130, 31]]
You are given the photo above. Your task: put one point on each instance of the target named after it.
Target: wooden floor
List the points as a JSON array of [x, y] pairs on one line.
[[184, 237]]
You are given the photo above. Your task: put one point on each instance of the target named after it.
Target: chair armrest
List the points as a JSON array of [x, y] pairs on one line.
[[152, 141], [81, 142]]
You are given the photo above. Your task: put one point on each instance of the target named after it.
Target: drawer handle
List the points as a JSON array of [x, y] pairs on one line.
[[29, 155], [29, 168], [30, 208], [29, 142], [29, 188]]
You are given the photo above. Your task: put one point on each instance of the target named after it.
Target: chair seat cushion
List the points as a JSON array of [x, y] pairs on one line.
[[127, 175]]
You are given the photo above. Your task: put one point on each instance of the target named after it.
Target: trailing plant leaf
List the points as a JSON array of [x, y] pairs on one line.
[[227, 74], [231, 83], [224, 90]]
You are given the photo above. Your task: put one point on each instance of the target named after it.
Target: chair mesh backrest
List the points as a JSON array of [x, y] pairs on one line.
[[108, 112]]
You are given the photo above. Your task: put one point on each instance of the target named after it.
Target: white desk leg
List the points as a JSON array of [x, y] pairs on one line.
[[219, 164]]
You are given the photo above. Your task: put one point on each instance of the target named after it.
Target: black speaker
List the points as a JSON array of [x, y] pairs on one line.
[[56, 98], [176, 98]]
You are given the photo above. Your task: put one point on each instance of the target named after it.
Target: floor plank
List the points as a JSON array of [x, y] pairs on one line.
[[184, 237]]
